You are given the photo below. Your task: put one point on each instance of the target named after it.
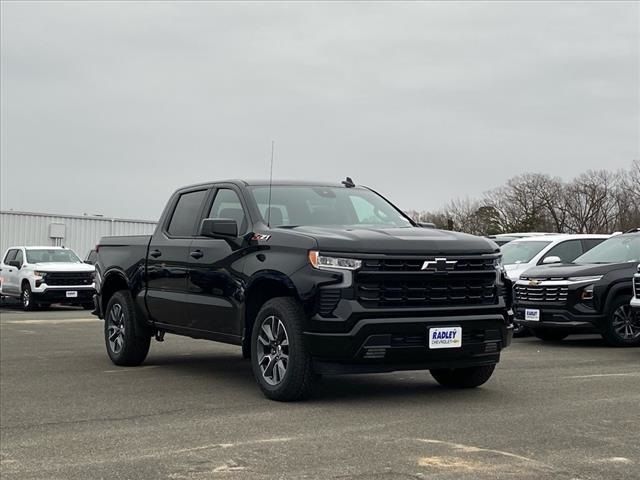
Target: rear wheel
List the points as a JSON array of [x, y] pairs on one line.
[[28, 303], [126, 339], [623, 324], [279, 359], [550, 335], [470, 377]]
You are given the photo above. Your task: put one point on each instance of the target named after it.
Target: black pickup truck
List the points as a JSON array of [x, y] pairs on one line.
[[310, 279]]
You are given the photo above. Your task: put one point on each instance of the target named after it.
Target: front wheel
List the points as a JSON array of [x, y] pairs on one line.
[[127, 341], [469, 377], [623, 324], [550, 335], [28, 304], [279, 359]]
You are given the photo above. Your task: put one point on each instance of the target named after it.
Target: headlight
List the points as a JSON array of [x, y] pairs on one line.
[[40, 274], [323, 261], [497, 262], [585, 279]]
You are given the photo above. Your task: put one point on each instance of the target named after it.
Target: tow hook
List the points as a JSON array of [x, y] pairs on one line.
[[160, 335]]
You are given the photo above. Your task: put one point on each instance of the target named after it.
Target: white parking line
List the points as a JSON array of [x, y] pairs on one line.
[[598, 375], [53, 321]]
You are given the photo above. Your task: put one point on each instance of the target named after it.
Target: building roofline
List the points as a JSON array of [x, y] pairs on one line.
[[85, 217]]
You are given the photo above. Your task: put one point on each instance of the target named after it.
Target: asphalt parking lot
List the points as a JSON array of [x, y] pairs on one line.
[[551, 411]]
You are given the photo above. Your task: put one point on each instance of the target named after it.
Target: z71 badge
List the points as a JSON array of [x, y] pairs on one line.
[[260, 236]]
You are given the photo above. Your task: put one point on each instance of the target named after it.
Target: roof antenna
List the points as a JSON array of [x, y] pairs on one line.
[[273, 144], [348, 183]]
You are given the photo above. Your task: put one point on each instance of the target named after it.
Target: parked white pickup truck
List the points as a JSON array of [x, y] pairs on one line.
[[40, 276]]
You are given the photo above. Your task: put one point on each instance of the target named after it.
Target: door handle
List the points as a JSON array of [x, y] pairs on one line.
[[155, 253], [197, 254]]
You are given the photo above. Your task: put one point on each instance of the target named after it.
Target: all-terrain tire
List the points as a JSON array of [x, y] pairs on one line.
[[284, 318], [470, 377], [126, 338]]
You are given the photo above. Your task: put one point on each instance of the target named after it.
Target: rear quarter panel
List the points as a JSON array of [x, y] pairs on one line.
[[126, 257]]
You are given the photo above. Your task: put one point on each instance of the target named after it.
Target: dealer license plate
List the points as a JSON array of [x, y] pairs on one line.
[[445, 337], [532, 315], [72, 294]]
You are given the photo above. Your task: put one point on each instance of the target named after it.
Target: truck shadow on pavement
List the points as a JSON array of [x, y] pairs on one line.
[[234, 375], [577, 341]]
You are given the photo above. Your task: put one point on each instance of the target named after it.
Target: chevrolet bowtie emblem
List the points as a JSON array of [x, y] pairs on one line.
[[534, 282], [438, 265]]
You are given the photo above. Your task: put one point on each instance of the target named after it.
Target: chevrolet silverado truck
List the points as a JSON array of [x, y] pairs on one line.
[[40, 276], [592, 294], [309, 279]]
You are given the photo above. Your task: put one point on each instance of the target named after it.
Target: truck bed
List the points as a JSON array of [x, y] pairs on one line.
[[123, 252]]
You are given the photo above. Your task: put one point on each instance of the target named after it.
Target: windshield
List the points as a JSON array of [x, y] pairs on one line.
[[326, 206], [620, 249], [521, 252], [51, 255]]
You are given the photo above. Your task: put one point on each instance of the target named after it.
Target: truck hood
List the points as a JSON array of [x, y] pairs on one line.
[[577, 270], [413, 240], [63, 267]]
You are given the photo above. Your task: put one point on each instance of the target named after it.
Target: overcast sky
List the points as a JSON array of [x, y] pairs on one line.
[[108, 107]]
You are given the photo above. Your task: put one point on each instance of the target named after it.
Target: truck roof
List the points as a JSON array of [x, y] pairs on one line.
[[264, 183]]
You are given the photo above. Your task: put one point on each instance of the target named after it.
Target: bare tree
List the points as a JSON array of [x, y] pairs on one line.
[[594, 202]]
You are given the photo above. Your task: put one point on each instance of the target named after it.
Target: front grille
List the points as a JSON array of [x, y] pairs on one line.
[[538, 293], [462, 264], [405, 282], [636, 285], [54, 279]]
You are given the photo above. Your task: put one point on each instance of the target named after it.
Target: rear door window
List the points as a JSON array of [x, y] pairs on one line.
[[187, 211]]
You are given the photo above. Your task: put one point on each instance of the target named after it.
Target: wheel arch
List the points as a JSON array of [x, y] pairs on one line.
[[259, 291], [114, 281], [616, 291]]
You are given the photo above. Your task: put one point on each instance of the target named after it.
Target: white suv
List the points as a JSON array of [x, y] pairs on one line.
[[525, 253], [40, 276], [635, 301]]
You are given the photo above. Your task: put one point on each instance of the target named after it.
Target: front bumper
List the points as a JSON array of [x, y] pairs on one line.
[[558, 317], [388, 344], [59, 295]]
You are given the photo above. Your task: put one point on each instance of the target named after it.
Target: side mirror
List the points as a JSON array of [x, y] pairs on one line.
[[15, 263], [219, 227], [551, 259], [88, 262]]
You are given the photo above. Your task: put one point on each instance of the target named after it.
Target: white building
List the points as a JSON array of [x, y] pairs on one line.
[[80, 233]]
